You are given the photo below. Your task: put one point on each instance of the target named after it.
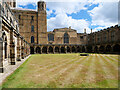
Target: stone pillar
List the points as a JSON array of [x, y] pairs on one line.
[[1, 54], [1, 44], [22, 49], [12, 48], [60, 49], [18, 48], [25, 49], [75, 49], [53, 49], [70, 49], [47, 49], [65, 49], [41, 49]]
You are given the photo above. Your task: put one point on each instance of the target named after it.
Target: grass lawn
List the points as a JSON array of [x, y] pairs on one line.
[[66, 71]]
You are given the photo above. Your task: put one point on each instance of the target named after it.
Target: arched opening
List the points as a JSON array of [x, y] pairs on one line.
[[68, 49], [31, 50], [50, 50], [62, 50], [108, 48], [5, 47], [78, 49], [96, 49], [44, 50], [66, 38], [83, 49], [32, 39], [50, 37], [73, 49], [116, 48], [57, 49], [38, 50], [101, 49], [89, 49]]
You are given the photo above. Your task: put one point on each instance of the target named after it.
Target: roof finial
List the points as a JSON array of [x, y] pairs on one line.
[[69, 27], [85, 30], [91, 30]]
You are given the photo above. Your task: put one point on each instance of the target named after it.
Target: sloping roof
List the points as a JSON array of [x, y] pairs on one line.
[[64, 30], [22, 9]]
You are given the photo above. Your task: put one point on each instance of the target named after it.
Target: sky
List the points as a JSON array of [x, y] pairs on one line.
[[79, 14]]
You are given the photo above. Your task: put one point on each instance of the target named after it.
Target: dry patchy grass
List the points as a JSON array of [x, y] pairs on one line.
[[66, 71]]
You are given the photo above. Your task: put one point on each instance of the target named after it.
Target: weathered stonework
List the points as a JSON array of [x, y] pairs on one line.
[[34, 24], [10, 38]]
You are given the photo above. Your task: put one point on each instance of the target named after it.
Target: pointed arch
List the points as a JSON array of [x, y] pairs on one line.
[[50, 49], [66, 38], [32, 39]]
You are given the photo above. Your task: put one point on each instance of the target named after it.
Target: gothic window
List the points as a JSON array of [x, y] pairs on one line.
[[19, 16], [112, 35], [32, 39], [32, 18], [50, 37], [105, 37], [66, 38], [32, 28]]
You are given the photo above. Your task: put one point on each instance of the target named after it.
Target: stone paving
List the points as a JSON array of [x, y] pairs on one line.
[[10, 69]]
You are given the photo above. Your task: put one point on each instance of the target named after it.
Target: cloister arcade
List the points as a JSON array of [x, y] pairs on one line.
[[46, 49]]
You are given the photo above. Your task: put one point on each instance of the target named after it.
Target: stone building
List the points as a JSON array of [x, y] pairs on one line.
[[13, 46], [33, 27], [104, 41]]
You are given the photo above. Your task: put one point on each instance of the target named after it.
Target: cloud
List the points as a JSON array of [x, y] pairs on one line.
[[62, 20], [106, 14], [63, 7]]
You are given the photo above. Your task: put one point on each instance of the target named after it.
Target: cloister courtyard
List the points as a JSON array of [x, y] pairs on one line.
[[66, 71]]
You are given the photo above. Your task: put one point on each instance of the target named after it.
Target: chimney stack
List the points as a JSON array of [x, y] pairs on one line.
[[69, 27], [85, 30], [91, 30]]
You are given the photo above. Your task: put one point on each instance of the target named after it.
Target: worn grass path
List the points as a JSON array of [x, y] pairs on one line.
[[66, 71]]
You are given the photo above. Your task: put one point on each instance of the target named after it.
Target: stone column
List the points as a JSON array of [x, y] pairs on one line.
[[75, 49], [22, 49], [1, 43], [60, 49], [41, 49], [65, 49], [70, 49], [53, 49], [1, 54], [18, 48], [12, 48], [47, 49], [25, 49]]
